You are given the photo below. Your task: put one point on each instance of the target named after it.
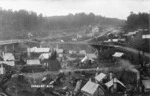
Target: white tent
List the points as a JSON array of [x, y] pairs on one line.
[[91, 89], [118, 54], [100, 77]]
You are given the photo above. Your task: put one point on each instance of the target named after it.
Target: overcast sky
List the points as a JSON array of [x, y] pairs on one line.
[[109, 8]]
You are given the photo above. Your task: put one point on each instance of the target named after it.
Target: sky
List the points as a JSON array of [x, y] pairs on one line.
[[108, 8]]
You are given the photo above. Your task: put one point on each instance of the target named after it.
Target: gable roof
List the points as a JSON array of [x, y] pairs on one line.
[[90, 87], [100, 76], [118, 54], [45, 56], [8, 57]]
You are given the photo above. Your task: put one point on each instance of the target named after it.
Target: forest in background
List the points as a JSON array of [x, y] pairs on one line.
[[137, 21], [17, 24]]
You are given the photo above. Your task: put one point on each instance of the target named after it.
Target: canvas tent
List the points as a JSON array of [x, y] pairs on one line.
[[92, 89], [118, 54], [100, 77]]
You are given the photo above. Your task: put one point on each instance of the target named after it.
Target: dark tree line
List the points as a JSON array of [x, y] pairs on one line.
[[137, 21], [17, 24]]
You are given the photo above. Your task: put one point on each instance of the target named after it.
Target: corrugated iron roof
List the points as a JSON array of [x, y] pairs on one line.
[[90, 87], [118, 54], [100, 76]]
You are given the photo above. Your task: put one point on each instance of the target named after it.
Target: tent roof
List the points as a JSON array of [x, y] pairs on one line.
[[146, 84], [33, 62], [118, 54], [110, 83], [100, 76], [90, 87]]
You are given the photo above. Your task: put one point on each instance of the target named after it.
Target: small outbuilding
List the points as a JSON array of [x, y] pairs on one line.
[[100, 77], [92, 89], [118, 54]]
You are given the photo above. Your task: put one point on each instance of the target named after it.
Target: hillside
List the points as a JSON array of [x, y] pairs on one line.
[[17, 24]]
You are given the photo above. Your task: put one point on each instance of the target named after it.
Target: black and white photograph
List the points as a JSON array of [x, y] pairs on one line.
[[74, 47]]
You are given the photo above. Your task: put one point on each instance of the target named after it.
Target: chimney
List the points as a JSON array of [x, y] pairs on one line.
[[110, 76], [114, 84]]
